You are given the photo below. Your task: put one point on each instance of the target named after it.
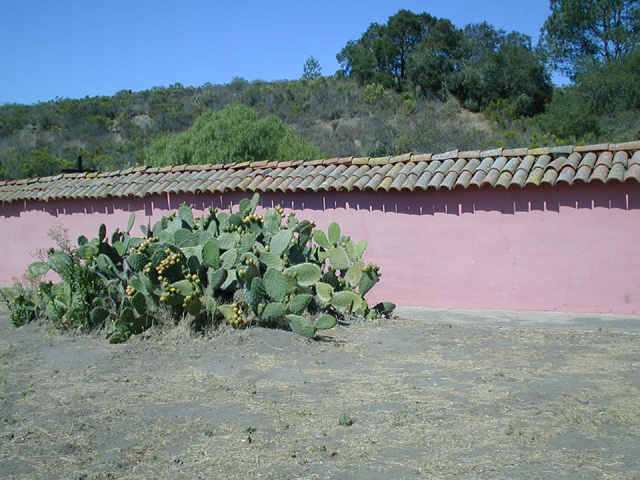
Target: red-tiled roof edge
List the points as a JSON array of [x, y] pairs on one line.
[[407, 157], [498, 167]]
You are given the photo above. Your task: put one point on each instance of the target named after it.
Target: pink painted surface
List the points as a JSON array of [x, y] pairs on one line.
[[568, 249]]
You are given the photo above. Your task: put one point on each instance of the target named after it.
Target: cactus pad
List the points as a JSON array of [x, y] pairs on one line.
[[321, 239], [138, 261], [87, 251], [367, 281], [228, 240], [99, 315], [339, 258], [273, 311], [325, 322], [354, 274], [306, 274], [334, 233], [272, 221], [271, 260], [229, 258], [185, 238], [38, 268], [299, 303], [275, 284], [216, 278], [211, 254], [256, 294], [301, 326], [139, 302], [281, 241], [324, 291]]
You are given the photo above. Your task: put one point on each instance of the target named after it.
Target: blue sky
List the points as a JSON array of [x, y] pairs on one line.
[[78, 48]]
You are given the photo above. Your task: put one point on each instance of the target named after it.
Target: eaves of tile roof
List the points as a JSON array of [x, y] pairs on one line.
[[497, 168]]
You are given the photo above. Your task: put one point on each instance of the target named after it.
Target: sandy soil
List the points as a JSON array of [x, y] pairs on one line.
[[427, 400]]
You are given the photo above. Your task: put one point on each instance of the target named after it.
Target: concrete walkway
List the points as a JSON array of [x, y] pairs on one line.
[[586, 322]]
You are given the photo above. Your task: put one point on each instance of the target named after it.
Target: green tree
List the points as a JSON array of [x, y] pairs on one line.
[[500, 68], [579, 31], [311, 69], [234, 134], [382, 53], [32, 164], [436, 58], [602, 104]]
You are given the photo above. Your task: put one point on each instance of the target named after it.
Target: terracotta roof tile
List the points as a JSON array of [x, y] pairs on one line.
[[633, 173], [436, 181], [567, 174], [511, 166], [464, 180], [244, 183], [446, 155], [306, 182], [424, 180], [574, 160], [527, 163], [478, 178], [519, 178], [410, 183], [496, 152], [558, 163], [422, 157], [625, 146], [616, 173], [605, 158], [492, 177], [567, 149], [379, 161], [455, 169], [360, 161], [504, 180], [542, 162], [283, 186], [470, 154], [621, 157], [486, 164], [539, 151], [458, 166], [549, 177], [471, 165], [404, 158], [445, 166], [513, 152], [398, 182], [583, 174], [600, 173], [450, 180], [535, 177]]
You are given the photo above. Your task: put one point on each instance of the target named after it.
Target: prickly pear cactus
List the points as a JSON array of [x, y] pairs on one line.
[[239, 266]]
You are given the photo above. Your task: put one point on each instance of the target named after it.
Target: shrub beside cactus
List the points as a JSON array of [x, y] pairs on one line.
[[240, 267]]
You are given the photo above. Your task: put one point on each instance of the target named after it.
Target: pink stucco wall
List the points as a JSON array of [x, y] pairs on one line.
[[570, 249]]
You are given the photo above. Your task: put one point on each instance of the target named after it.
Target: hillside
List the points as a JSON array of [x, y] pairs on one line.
[[334, 113]]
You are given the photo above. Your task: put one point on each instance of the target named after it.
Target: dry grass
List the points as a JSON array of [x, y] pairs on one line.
[[427, 400]]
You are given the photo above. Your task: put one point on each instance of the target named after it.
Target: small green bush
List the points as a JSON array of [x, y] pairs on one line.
[[19, 301]]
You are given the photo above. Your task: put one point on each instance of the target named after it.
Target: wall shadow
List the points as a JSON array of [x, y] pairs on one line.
[[456, 202]]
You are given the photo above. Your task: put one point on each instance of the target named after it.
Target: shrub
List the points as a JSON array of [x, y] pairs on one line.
[[22, 308]]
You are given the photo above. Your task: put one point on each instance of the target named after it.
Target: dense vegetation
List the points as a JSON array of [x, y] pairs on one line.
[[238, 267], [413, 84]]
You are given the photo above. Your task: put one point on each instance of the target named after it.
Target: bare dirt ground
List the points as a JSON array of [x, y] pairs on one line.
[[427, 400]]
